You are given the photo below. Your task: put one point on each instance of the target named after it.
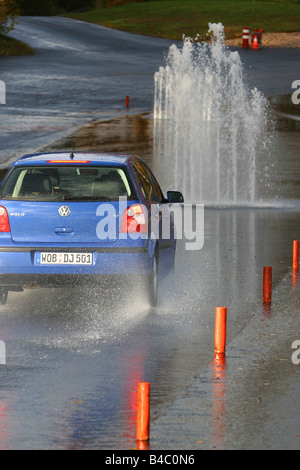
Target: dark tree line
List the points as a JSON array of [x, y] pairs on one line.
[[11, 9], [51, 7]]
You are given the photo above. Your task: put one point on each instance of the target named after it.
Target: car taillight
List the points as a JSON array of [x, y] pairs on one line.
[[4, 222], [134, 220]]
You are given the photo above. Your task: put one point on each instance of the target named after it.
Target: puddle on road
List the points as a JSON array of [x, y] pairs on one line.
[[129, 134], [134, 134], [287, 113]]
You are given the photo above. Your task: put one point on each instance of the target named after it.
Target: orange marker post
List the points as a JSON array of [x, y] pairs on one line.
[[267, 286], [220, 330], [143, 411], [296, 255]]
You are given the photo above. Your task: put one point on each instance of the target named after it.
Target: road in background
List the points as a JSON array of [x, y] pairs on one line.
[[81, 71]]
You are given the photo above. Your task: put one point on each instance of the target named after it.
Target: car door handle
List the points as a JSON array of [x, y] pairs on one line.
[[64, 230]]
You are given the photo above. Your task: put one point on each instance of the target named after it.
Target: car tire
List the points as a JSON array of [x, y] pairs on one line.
[[152, 282], [3, 295], [174, 258]]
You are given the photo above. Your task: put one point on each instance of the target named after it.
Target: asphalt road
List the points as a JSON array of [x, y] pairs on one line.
[[73, 359], [81, 72]]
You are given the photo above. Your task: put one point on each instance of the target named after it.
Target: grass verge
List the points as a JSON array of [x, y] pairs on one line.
[[173, 18], [12, 47]]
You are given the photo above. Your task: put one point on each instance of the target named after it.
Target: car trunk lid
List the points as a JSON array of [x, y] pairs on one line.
[[71, 222]]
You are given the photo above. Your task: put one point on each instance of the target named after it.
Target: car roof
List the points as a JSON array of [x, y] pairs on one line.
[[100, 158]]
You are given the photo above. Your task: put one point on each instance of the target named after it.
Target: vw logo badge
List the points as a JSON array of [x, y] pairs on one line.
[[64, 211]]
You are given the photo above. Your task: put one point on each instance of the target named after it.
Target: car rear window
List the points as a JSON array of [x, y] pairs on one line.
[[72, 182]]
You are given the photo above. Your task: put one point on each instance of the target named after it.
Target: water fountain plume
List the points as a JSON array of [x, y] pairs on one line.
[[208, 126]]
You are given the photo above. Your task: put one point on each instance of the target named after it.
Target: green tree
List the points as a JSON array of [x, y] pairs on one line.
[[52, 7], [70, 5], [9, 11], [37, 7]]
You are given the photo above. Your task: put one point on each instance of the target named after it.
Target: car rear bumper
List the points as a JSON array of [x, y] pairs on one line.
[[18, 265], [17, 282]]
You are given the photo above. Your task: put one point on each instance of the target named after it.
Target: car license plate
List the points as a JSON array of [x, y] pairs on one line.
[[64, 258]]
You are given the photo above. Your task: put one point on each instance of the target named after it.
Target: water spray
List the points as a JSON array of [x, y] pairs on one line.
[[208, 126]]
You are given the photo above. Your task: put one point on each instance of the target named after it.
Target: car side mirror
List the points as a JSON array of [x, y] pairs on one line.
[[175, 196]]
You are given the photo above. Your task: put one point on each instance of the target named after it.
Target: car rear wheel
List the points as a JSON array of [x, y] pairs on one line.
[[3, 295], [153, 282]]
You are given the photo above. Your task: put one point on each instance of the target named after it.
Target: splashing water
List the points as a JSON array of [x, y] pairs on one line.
[[208, 126]]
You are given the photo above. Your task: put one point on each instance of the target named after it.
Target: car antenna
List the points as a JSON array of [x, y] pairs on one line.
[[72, 156]]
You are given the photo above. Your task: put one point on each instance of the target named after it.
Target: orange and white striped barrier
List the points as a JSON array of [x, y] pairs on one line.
[[246, 35]]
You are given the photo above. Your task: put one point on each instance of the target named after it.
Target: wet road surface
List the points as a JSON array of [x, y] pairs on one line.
[[81, 72], [74, 358]]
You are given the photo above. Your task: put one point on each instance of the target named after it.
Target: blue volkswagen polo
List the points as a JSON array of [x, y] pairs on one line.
[[72, 219]]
